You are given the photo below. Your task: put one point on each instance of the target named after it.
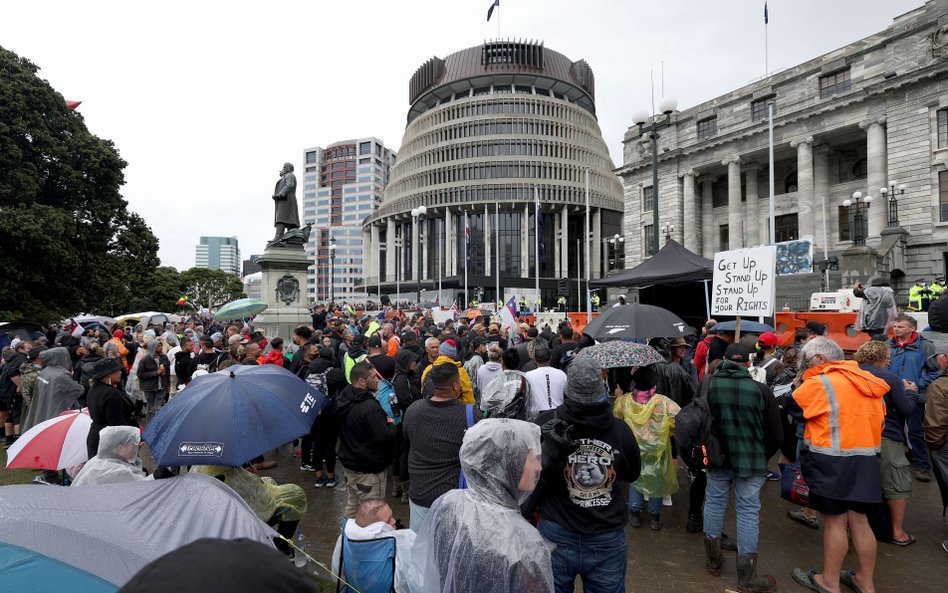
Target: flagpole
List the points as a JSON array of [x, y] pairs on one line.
[[497, 248], [586, 247], [536, 246], [444, 233], [579, 282], [467, 240], [770, 129]]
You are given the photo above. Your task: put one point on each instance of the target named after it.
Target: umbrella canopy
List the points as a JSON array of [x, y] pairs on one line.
[[231, 416], [57, 443], [637, 321], [111, 530], [747, 327], [673, 264], [618, 354], [26, 570], [85, 320], [240, 309]]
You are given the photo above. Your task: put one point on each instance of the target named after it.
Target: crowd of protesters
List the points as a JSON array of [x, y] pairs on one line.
[[500, 438]]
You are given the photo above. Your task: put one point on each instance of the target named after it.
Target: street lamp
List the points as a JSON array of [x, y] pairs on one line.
[[859, 212], [332, 265], [418, 214], [893, 201], [667, 107], [616, 240], [668, 229]]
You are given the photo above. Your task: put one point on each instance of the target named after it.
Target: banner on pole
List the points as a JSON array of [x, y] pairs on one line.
[[744, 282], [795, 257]]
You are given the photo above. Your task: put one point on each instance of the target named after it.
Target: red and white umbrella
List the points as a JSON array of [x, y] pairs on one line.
[[55, 444]]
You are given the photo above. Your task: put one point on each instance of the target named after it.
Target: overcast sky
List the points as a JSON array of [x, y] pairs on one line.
[[207, 99]]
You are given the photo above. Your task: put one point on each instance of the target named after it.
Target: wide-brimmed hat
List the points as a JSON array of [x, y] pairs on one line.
[[104, 367], [676, 342]]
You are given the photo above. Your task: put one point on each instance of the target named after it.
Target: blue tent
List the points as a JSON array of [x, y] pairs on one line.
[[26, 570]]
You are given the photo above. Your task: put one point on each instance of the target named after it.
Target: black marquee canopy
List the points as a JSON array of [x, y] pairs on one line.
[[672, 265]]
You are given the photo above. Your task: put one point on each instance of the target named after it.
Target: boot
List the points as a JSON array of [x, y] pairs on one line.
[[749, 580], [712, 555], [695, 523], [728, 544]]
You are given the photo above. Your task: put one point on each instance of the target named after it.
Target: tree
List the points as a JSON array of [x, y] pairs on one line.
[[67, 240], [159, 291], [211, 288]]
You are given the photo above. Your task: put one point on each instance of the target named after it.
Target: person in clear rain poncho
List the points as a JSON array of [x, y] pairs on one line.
[[117, 460], [475, 540]]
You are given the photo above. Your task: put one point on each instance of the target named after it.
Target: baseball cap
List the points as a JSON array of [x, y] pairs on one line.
[[767, 340], [940, 348], [737, 353], [375, 341]]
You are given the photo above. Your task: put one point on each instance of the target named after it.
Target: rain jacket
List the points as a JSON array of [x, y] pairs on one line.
[[652, 423], [55, 390], [913, 362], [266, 498], [467, 390], [366, 439], [107, 467], [877, 309], [844, 413], [108, 406], [475, 540]]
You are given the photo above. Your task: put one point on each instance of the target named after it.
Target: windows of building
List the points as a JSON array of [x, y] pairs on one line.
[[759, 108], [648, 240], [365, 148], [648, 199], [836, 83], [942, 118], [787, 227], [943, 196], [724, 237], [311, 157], [707, 128]]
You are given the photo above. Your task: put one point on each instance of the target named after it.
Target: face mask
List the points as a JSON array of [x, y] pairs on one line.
[[642, 397]]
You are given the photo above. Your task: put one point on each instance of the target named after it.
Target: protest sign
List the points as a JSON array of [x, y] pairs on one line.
[[743, 282]]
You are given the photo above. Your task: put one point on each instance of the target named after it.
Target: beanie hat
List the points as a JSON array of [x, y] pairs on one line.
[[119, 334], [448, 348], [584, 381]]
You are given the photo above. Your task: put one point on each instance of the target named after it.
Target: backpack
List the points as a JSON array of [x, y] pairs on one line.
[[385, 394], [759, 373], [696, 435], [319, 382]]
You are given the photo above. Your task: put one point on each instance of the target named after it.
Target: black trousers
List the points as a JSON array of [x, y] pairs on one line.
[[696, 494], [325, 435]]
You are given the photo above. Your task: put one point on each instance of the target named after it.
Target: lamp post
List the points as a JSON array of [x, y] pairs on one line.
[[418, 214], [667, 107], [893, 194], [332, 265], [615, 241], [859, 210], [668, 229]]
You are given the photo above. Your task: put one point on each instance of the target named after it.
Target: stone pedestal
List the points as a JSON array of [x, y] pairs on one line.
[[859, 264], [284, 289]]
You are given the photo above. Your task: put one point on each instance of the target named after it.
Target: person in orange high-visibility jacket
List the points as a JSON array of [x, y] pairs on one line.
[[840, 457]]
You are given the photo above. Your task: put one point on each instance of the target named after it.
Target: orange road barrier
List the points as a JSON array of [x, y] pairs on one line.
[[840, 327]]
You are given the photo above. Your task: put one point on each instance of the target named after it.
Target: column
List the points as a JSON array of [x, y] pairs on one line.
[[390, 249], [707, 218], [450, 263], [526, 247], [557, 242], [564, 242], [824, 230], [373, 256], [876, 173], [751, 216], [735, 226], [368, 248], [596, 243], [425, 245], [805, 197], [689, 228], [415, 249], [488, 245]]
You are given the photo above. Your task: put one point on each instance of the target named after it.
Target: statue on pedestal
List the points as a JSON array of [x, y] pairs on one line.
[[286, 212]]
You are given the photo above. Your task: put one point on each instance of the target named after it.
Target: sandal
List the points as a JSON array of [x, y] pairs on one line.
[[800, 517], [806, 579], [905, 542], [848, 578]]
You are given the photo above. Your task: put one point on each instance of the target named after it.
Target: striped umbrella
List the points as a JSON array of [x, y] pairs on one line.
[[55, 444], [240, 309]]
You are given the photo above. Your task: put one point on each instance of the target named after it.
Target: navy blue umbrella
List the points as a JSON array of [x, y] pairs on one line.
[[232, 416], [747, 327]]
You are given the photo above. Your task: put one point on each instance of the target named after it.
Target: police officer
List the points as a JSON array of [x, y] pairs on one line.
[[919, 296], [595, 301], [561, 301], [937, 287]]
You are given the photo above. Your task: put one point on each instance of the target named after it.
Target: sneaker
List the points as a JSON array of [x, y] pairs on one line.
[[923, 475], [695, 523], [331, 482], [655, 522], [320, 482], [305, 467], [773, 477], [667, 500], [635, 518], [41, 481], [944, 545]]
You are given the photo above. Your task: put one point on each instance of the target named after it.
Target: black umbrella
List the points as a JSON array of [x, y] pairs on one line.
[[637, 321]]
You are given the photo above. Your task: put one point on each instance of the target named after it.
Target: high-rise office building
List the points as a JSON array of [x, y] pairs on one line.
[[218, 253], [250, 266], [342, 186]]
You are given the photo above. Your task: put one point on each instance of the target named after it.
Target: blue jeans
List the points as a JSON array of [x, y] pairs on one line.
[[747, 502], [916, 438], [600, 560], [637, 501], [417, 516]]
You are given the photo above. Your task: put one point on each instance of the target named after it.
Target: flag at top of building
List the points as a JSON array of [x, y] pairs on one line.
[[766, 20], [490, 11], [508, 313]]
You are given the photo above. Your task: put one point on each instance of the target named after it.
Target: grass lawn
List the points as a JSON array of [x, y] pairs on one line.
[[9, 477]]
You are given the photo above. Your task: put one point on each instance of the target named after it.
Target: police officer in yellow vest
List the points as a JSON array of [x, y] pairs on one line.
[[354, 356], [919, 296], [562, 304], [937, 287], [594, 299]]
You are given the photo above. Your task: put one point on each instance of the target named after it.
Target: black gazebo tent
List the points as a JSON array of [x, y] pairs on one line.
[[670, 278]]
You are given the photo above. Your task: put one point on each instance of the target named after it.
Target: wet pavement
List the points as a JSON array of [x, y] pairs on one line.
[[672, 560]]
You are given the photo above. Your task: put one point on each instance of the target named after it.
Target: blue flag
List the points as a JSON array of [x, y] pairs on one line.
[[765, 13], [490, 11]]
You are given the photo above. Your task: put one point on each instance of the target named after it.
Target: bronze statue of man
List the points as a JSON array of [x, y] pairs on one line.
[[286, 212]]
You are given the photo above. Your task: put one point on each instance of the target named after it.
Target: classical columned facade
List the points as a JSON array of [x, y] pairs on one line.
[[491, 129]]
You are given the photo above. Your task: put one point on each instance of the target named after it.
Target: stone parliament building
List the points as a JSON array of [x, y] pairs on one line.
[[870, 117]]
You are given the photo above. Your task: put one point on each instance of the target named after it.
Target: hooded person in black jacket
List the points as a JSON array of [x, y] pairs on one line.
[[366, 437], [320, 446], [588, 458]]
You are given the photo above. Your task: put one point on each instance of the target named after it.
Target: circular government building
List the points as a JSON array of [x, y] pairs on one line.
[[491, 130]]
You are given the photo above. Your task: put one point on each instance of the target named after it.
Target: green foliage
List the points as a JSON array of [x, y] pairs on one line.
[[211, 288], [67, 240]]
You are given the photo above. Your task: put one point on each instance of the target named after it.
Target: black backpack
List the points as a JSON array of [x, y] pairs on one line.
[[696, 436]]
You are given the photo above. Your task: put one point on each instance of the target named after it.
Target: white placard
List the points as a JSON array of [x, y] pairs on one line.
[[744, 282]]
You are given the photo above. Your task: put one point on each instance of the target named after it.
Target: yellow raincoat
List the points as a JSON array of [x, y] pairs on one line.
[[264, 496], [653, 424]]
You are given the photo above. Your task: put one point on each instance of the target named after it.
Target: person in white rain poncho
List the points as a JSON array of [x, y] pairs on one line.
[[117, 460], [475, 540]]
